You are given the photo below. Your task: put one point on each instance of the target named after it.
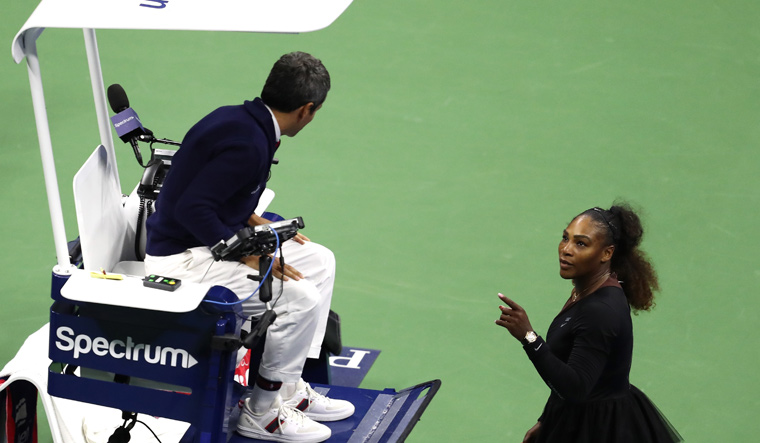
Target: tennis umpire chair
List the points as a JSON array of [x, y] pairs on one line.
[[116, 343]]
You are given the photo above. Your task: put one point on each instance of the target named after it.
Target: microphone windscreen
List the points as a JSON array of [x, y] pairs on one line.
[[117, 98]]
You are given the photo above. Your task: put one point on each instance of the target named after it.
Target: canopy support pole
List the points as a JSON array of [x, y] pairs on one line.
[[99, 95], [46, 152]]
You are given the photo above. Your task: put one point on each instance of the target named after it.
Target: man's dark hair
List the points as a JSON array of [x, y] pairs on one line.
[[296, 79]]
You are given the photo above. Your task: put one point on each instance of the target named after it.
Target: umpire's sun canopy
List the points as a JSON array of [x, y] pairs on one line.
[[273, 16]]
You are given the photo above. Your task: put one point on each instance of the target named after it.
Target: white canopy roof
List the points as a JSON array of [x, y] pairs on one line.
[[274, 16]]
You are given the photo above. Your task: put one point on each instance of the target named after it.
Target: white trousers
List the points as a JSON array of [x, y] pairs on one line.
[[302, 310]]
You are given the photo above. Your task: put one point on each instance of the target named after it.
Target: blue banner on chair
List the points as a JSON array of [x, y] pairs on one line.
[[351, 366]]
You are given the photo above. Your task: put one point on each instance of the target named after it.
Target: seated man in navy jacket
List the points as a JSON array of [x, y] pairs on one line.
[[210, 193]]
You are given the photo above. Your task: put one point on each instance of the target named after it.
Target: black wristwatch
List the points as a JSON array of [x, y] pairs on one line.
[[530, 337]]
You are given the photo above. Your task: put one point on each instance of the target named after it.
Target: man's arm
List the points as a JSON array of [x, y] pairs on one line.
[[210, 196]]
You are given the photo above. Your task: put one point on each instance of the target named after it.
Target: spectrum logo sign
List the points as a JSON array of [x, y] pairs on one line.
[[83, 344], [157, 4]]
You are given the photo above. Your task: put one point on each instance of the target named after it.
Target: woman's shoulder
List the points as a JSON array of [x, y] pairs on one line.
[[605, 310], [609, 300]]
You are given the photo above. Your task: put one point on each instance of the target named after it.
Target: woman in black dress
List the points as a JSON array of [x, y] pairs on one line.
[[586, 357]]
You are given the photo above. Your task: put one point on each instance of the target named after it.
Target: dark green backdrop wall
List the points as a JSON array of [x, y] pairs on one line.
[[457, 142]]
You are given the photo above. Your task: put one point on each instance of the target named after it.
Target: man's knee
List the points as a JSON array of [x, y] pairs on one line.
[[299, 296], [309, 254], [325, 256]]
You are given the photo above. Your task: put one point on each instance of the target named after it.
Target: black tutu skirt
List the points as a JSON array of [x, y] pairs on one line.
[[632, 418]]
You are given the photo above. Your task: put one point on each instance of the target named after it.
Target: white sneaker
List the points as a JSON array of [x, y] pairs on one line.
[[318, 407], [281, 423]]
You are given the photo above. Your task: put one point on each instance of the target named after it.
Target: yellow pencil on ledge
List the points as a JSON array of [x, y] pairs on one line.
[[102, 274]]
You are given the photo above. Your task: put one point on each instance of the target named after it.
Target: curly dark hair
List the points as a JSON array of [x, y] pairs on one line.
[[296, 79], [623, 229]]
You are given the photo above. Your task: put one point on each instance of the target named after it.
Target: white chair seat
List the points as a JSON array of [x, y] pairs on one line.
[[136, 268]]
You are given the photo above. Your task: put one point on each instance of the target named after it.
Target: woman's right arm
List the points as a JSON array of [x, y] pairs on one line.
[[594, 330], [532, 433]]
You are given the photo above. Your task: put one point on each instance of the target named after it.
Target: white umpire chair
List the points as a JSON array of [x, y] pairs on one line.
[[107, 225]]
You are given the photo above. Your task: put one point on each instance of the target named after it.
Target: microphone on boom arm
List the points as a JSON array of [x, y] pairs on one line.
[[126, 122]]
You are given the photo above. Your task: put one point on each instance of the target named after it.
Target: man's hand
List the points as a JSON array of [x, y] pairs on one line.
[[255, 220], [300, 238], [252, 261]]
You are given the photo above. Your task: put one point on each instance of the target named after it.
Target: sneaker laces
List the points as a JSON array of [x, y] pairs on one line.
[[314, 396], [287, 413]]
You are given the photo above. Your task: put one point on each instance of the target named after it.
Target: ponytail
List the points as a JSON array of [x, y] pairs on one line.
[[631, 264]]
